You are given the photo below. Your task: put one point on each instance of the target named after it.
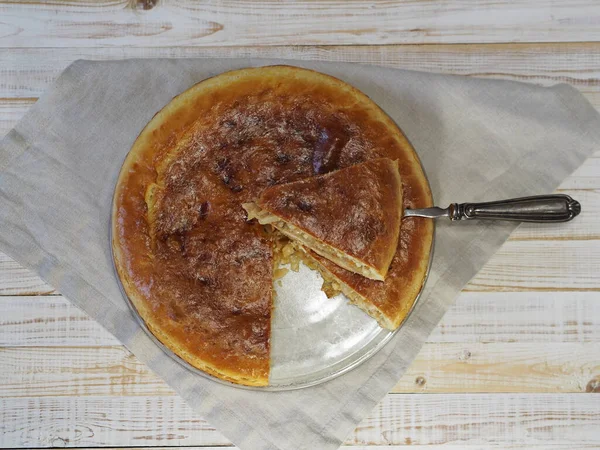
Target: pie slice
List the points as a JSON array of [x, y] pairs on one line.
[[351, 216]]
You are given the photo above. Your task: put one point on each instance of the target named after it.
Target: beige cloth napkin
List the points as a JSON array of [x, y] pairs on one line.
[[478, 140]]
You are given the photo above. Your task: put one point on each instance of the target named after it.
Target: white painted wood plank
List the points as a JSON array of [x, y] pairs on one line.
[[16, 280], [389, 447], [439, 368], [468, 446], [100, 422], [27, 72], [76, 372], [220, 447], [48, 321], [109, 24], [476, 317], [542, 266], [464, 447], [521, 317], [567, 419], [417, 419], [505, 367]]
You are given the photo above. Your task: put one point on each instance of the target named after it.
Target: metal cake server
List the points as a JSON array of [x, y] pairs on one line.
[[539, 208]]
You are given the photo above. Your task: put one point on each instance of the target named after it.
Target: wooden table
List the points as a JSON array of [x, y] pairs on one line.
[[514, 364]]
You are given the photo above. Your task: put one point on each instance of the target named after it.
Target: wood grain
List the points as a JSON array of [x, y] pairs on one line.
[[48, 321], [16, 280], [506, 367], [530, 266], [416, 419], [116, 23], [28, 72], [439, 368], [543, 317], [103, 421], [482, 418], [476, 317], [387, 447]]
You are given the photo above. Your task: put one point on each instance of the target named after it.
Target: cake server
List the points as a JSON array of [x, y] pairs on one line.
[[539, 208]]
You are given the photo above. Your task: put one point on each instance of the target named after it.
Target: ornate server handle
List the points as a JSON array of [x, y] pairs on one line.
[[541, 208]]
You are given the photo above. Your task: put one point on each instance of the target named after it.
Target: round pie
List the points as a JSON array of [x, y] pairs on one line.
[[198, 273]]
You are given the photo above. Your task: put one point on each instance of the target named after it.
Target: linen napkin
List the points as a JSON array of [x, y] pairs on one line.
[[477, 139]]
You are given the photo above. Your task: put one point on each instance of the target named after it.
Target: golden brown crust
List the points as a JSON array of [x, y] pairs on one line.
[[198, 274], [355, 211]]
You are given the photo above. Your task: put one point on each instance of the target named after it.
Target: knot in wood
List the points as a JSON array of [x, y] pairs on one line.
[[143, 4], [593, 385]]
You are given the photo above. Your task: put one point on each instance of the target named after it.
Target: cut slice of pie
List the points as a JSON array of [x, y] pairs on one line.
[[351, 216]]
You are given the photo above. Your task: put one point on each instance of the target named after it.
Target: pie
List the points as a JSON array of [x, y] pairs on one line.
[[350, 216], [199, 274]]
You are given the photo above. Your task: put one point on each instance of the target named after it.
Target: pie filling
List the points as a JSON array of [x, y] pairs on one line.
[[295, 233]]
